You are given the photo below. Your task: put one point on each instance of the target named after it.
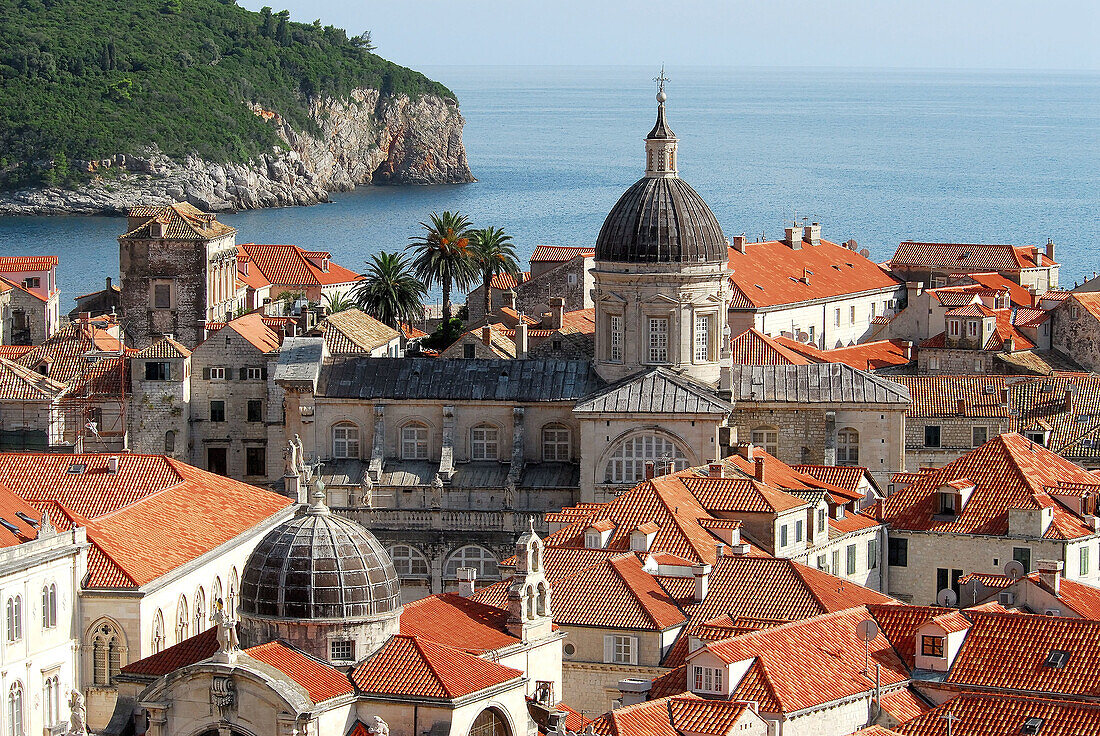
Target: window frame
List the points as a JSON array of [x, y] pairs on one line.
[[929, 430], [615, 338], [931, 646], [346, 441], [626, 462], [703, 342], [217, 411], [217, 373], [255, 458], [850, 560], [15, 619], [158, 370], [253, 373], [561, 445], [624, 649], [770, 443], [346, 646], [485, 443], [418, 443], [847, 451], [155, 300], [256, 417], [657, 340], [408, 564], [897, 552], [974, 435]]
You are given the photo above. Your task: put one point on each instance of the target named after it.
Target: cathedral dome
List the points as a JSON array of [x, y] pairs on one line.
[[320, 566], [661, 219]]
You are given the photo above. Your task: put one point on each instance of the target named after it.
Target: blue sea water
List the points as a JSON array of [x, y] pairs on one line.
[[879, 156]]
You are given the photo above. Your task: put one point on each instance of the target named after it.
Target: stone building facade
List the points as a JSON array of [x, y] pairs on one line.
[[1075, 328], [160, 400], [563, 272], [30, 300]]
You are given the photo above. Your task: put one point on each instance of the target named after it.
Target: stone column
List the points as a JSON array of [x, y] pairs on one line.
[[515, 469], [830, 438], [158, 718], [378, 446], [447, 453]]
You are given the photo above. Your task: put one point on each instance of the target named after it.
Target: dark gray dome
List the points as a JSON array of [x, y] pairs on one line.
[[319, 566], [661, 220]]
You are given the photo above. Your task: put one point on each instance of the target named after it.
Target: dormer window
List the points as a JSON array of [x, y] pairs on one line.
[[707, 679], [948, 504], [953, 327], [931, 646], [972, 328], [592, 540]]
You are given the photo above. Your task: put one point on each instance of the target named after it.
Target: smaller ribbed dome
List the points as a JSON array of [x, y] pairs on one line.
[[319, 566]]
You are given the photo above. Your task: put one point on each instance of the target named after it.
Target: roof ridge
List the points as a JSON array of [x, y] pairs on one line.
[[614, 563]]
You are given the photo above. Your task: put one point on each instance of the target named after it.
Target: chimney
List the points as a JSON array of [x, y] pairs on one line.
[[467, 576], [739, 243], [1050, 249], [649, 469], [961, 406], [487, 335], [85, 320], [805, 276], [758, 470], [716, 470], [793, 236], [1035, 254], [720, 550], [521, 340], [813, 233], [1050, 574], [745, 450], [108, 283], [510, 298], [1068, 401], [702, 581], [634, 690], [915, 289], [908, 351], [1010, 344], [557, 312], [112, 464], [1004, 396]]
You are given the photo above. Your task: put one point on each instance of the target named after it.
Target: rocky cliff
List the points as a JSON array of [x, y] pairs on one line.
[[361, 140]]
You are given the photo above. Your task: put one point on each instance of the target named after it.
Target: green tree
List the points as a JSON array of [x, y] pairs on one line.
[[338, 301], [495, 255], [363, 41], [389, 291], [443, 255]]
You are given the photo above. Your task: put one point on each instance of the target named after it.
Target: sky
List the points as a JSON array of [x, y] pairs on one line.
[[914, 34]]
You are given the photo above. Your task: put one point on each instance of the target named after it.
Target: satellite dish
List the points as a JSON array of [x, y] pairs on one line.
[[867, 630], [865, 253], [1014, 570], [947, 598], [803, 336]]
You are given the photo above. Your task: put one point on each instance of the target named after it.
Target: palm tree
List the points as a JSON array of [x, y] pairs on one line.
[[443, 255], [389, 291], [495, 255], [338, 301]]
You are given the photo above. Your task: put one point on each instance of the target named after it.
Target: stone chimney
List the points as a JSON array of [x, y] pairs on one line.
[[739, 243], [960, 405], [745, 450], [1010, 344], [1050, 574], [634, 690], [813, 234], [112, 464], [108, 283], [487, 335], [716, 470], [793, 237], [649, 466], [557, 312], [521, 340], [805, 276], [1050, 249], [1068, 399], [758, 469], [510, 299], [85, 321], [908, 351], [467, 577], [701, 573]]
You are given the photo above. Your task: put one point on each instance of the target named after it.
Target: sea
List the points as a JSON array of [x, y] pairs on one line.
[[878, 156]]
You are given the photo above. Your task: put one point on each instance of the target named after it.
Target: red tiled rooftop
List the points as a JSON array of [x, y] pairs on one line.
[[558, 253], [472, 626], [27, 263], [320, 680], [1004, 715], [409, 666]]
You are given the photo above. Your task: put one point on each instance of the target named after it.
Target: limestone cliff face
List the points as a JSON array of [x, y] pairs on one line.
[[362, 140]]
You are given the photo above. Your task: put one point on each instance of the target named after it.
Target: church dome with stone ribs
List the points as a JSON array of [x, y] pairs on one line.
[[661, 219]]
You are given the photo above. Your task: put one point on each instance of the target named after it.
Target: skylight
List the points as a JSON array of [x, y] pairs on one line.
[[9, 526], [26, 518], [77, 468], [1032, 725], [1056, 659]]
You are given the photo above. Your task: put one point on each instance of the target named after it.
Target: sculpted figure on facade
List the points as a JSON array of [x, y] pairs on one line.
[[78, 716]]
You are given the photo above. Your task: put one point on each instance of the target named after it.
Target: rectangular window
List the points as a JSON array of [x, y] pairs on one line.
[[162, 296], [468, 351], [823, 563], [898, 552], [158, 370], [948, 507], [873, 309], [615, 342], [932, 435], [217, 373], [812, 337], [783, 536], [708, 679], [978, 436], [972, 328], [1023, 556], [933, 363], [483, 443], [953, 327], [931, 646], [255, 410], [872, 554], [620, 649], [836, 562], [414, 442], [768, 439], [343, 650], [658, 339], [345, 441], [850, 561], [1084, 561], [255, 461], [798, 531], [836, 318], [217, 410], [821, 520], [703, 337], [852, 314], [32, 282], [254, 374], [555, 444], [217, 460]]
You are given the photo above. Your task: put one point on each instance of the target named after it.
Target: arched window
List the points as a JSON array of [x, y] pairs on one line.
[[51, 712], [529, 594], [847, 447], [473, 556], [215, 595], [157, 641], [407, 561], [15, 710], [556, 444], [766, 437], [200, 611], [544, 600], [627, 462], [484, 442], [106, 653], [169, 442], [15, 618], [183, 619], [231, 593], [490, 723], [345, 441], [414, 441], [49, 606]]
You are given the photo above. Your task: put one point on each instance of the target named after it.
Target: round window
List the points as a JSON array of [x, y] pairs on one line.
[[570, 650]]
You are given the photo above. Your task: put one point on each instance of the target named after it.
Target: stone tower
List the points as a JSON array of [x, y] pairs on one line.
[[529, 615], [660, 276]]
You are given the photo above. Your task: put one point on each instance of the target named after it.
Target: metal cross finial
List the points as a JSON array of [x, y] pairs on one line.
[[950, 718], [660, 80]]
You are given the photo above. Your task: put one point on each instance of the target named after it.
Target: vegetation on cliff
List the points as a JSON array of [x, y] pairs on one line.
[[87, 79]]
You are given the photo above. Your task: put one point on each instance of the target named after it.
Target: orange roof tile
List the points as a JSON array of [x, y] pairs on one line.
[[27, 263], [189, 651], [558, 253], [673, 716], [20, 383], [904, 704], [254, 328], [180, 221], [963, 257], [1020, 295], [410, 666], [848, 477], [505, 281], [1005, 715], [290, 265], [618, 593], [320, 680], [753, 347], [14, 352], [870, 355], [472, 626]]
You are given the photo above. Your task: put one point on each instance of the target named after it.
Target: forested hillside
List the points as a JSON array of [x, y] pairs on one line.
[[86, 79]]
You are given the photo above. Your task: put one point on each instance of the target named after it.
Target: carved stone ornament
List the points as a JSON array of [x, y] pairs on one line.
[[223, 694], [77, 715], [378, 727]]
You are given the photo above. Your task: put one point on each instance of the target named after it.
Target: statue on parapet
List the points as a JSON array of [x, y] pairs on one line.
[[78, 716]]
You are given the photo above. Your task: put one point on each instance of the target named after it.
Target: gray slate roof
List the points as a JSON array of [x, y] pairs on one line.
[[819, 383], [300, 359], [658, 391], [458, 380]]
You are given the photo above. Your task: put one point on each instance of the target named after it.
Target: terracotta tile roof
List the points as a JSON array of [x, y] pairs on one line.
[[1005, 715], [189, 651], [289, 265], [813, 662], [254, 328], [770, 274], [19, 383], [14, 352], [354, 331], [165, 347], [1081, 598], [472, 626], [1089, 301], [753, 347], [976, 309], [8, 285], [321, 681], [875, 731], [672, 682], [9, 264], [616, 593], [24, 518], [964, 257], [870, 356], [899, 625], [673, 716], [410, 666], [904, 704], [1009, 472], [957, 296], [852, 522], [847, 477], [987, 579], [505, 281], [1028, 317], [558, 253], [412, 333], [66, 352], [180, 221], [937, 396], [740, 495], [1020, 295]]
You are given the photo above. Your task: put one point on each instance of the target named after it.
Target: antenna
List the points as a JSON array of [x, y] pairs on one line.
[[950, 718], [947, 598], [1014, 570], [867, 630]]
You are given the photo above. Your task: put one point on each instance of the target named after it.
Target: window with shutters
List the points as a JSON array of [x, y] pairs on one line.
[[414, 441], [783, 536], [872, 554], [619, 649], [484, 443], [821, 520], [255, 411], [217, 410], [798, 531], [836, 318], [345, 441], [658, 339], [217, 373], [615, 338], [850, 561]]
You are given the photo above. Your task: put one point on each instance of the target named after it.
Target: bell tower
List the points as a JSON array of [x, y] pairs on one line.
[[529, 615], [660, 144]]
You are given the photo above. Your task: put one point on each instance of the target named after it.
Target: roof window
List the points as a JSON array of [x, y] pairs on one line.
[[1056, 659], [1032, 725], [77, 468], [9, 526], [24, 517]]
